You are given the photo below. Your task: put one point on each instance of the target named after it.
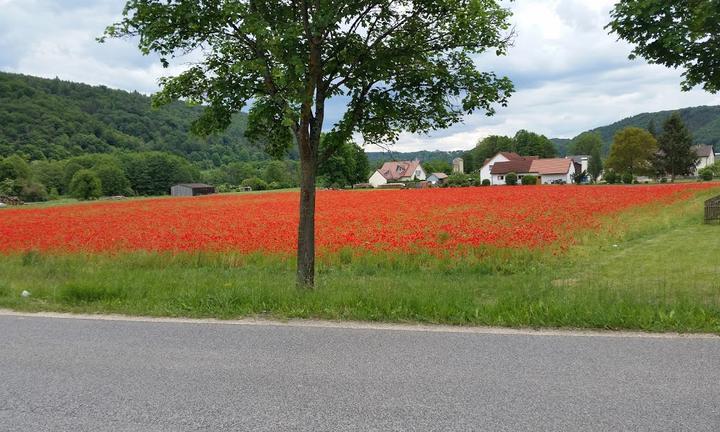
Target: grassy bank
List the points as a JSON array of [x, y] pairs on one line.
[[655, 268]]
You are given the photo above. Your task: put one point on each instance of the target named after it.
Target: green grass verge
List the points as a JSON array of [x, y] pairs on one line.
[[655, 268]]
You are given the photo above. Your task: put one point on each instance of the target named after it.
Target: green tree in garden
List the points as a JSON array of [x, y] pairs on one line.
[[632, 152], [676, 156], [85, 185], [595, 164], [585, 143], [401, 66], [677, 34], [511, 179]]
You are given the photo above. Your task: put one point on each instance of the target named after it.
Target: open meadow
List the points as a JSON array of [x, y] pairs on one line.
[[620, 257]]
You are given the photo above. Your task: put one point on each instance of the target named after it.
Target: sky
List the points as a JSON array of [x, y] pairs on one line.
[[570, 74]]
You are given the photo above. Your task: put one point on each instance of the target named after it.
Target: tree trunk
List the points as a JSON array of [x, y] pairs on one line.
[[306, 228]]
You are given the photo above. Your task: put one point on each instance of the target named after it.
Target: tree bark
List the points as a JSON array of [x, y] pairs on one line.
[[306, 227]]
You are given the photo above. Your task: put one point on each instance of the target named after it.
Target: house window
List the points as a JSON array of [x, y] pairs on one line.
[[501, 177]]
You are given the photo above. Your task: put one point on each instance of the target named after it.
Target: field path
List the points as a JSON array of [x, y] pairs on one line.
[[113, 374]]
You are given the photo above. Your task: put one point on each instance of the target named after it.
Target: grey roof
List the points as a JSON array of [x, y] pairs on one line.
[[194, 185], [703, 150]]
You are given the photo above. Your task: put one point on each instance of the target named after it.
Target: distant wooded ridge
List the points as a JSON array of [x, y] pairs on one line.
[[55, 119]]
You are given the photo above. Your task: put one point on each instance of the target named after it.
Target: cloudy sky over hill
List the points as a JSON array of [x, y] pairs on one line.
[[569, 73]]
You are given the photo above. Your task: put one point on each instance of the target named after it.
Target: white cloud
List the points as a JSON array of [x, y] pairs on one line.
[[569, 73]]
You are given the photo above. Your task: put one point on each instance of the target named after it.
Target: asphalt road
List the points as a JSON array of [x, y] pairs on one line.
[[88, 375]]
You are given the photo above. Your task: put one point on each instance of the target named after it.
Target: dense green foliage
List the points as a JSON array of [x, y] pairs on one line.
[[585, 143], [85, 185], [632, 153], [676, 156], [511, 179], [677, 34], [54, 119]]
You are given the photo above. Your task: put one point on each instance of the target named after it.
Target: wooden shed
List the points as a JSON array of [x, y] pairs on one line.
[[191, 189], [712, 210]]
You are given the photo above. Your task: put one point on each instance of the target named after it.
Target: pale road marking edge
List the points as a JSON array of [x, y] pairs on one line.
[[358, 325]]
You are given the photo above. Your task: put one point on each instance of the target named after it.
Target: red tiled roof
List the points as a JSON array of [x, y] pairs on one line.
[[399, 169], [551, 166], [517, 166]]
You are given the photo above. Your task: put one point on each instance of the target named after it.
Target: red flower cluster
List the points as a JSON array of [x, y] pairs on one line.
[[391, 220]]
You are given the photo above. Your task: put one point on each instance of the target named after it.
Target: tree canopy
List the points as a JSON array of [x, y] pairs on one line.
[[677, 34], [676, 156], [632, 152], [400, 65]]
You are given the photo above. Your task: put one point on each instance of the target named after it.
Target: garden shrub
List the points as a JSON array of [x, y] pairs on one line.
[[529, 180], [706, 174], [486, 182], [511, 179], [627, 178]]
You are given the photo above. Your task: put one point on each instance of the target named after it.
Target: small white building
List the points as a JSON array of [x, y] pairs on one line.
[[400, 171], [437, 178], [706, 156]]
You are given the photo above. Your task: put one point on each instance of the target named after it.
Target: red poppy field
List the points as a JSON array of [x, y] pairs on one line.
[[394, 221]]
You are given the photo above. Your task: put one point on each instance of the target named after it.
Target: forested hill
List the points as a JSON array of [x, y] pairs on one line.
[[49, 118], [703, 122]]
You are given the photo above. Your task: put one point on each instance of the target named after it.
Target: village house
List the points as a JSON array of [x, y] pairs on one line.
[[706, 156], [548, 171], [436, 179], [486, 170], [399, 171]]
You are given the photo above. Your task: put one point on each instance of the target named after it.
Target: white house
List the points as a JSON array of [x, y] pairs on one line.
[[486, 170], [399, 171], [547, 171], [554, 170], [437, 178], [706, 156]]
